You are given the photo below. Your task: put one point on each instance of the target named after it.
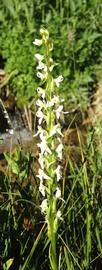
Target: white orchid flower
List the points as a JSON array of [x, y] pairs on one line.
[[41, 175], [58, 215], [56, 130], [42, 66], [41, 131], [43, 145], [58, 111], [53, 101], [40, 103], [39, 57], [44, 206], [40, 115], [58, 193], [58, 80], [59, 150], [58, 173], [41, 92], [37, 42], [42, 76]]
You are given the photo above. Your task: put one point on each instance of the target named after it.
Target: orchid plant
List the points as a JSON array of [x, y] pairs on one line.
[[49, 108]]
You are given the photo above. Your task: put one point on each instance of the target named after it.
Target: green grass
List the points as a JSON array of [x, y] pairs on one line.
[[79, 238]]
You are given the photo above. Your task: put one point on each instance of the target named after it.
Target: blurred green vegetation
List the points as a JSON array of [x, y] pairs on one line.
[[76, 29]]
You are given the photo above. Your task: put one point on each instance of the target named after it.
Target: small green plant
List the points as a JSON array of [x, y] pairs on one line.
[[19, 163], [17, 52]]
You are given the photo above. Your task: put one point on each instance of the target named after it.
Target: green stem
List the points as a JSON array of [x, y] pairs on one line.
[[52, 234], [53, 259]]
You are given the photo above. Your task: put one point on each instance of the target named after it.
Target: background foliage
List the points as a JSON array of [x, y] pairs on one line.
[[76, 29]]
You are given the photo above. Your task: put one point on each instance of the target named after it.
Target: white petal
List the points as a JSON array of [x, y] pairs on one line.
[[58, 111], [42, 175], [37, 42], [40, 103], [58, 173], [43, 146], [41, 92], [58, 80], [58, 193], [59, 130], [42, 76], [50, 103], [59, 150], [55, 130], [44, 206], [53, 101], [56, 99], [40, 115], [40, 131], [58, 214], [42, 66], [39, 57]]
